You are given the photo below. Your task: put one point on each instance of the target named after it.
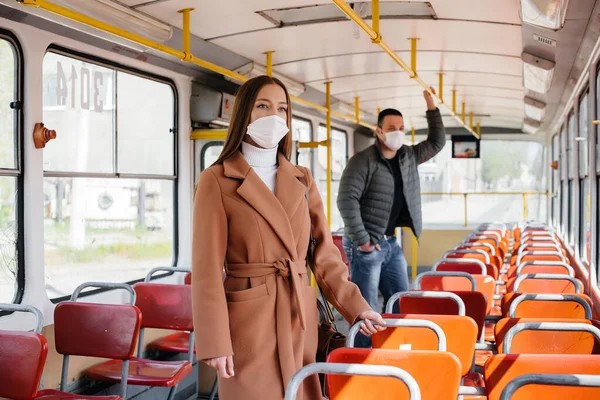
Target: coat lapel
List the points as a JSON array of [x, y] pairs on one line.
[[258, 195], [289, 190]]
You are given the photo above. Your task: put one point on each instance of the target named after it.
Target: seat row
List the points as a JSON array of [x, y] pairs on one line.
[[110, 331], [463, 330]]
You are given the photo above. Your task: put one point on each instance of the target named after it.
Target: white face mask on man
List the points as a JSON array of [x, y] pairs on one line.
[[268, 131], [394, 140]]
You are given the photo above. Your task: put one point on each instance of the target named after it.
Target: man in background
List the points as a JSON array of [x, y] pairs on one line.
[[380, 191]]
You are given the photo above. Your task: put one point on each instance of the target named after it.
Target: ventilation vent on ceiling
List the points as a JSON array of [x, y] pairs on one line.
[[330, 12], [544, 40]]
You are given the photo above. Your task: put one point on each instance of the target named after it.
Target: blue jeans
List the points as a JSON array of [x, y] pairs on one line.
[[382, 271]]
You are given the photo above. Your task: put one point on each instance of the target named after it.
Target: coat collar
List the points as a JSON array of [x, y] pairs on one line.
[[276, 209]]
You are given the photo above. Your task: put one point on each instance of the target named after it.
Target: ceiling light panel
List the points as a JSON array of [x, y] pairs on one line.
[[549, 14], [534, 109], [537, 73]]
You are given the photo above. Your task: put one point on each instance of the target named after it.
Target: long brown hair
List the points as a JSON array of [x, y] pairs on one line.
[[240, 119]]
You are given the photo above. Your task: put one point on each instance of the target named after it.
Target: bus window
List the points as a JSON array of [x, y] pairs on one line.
[[572, 174], [339, 157], [302, 132], [11, 265], [584, 181], [555, 199], [109, 176], [504, 166], [210, 153]]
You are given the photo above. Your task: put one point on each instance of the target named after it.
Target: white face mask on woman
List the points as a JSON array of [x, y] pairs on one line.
[[268, 131], [394, 140]]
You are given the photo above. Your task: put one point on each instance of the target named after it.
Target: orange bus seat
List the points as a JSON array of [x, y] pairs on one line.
[[460, 332], [445, 281], [564, 306], [545, 283], [436, 383], [544, 336], [503, 368]]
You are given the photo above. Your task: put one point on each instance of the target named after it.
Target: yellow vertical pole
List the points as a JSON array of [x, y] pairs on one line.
[[524, 206], [357, 109], [269, 62], [328, 125], [412, 133], [415, 257], [466, 218], [464, 119], [375, 16], [478, 130], [413, 54], [454, 101], [378, 111], [441, 87], [471, 119], [186, 33]]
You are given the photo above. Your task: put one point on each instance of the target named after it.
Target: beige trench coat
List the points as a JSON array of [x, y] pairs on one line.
[[264, 314]]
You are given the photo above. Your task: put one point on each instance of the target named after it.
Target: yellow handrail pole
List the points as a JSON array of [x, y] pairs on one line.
[[378, 111], [415, 257], [412, 133], [441, 87], [454, 102], [357, 108], [413, 55], [209, 134], [466, 218], [464, 119], [186, 35], [269, 62], [471, 119], [375, 18], [328, 147], [524, 206], [84, 19], [478, 130]]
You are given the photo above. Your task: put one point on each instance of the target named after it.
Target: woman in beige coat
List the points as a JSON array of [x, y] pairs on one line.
[[253, 213]]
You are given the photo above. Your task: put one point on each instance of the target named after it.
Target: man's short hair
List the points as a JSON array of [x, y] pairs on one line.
[[385, 113]]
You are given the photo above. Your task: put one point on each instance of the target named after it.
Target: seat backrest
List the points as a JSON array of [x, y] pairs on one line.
[[96, 330], [475, 305], [22, 359], [501, 369], [546, 341], [165, 306], [515, 271], [470, 254], [564, 309], [486, 285], [460, 332], [538, 283], [468, 267], [446, 283], [436, 383], [188, 279]]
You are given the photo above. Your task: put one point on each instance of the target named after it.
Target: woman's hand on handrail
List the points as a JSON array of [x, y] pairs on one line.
[[367, 328]]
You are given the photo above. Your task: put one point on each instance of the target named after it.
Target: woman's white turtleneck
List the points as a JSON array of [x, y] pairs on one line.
[[263, 162]]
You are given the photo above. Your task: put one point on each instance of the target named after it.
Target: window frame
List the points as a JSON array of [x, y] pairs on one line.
[[582, 176], [313, 153], [67, 52], [205, 147], [17, 172]]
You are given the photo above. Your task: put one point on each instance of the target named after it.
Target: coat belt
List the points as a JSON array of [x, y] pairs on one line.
[[289, 288]]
